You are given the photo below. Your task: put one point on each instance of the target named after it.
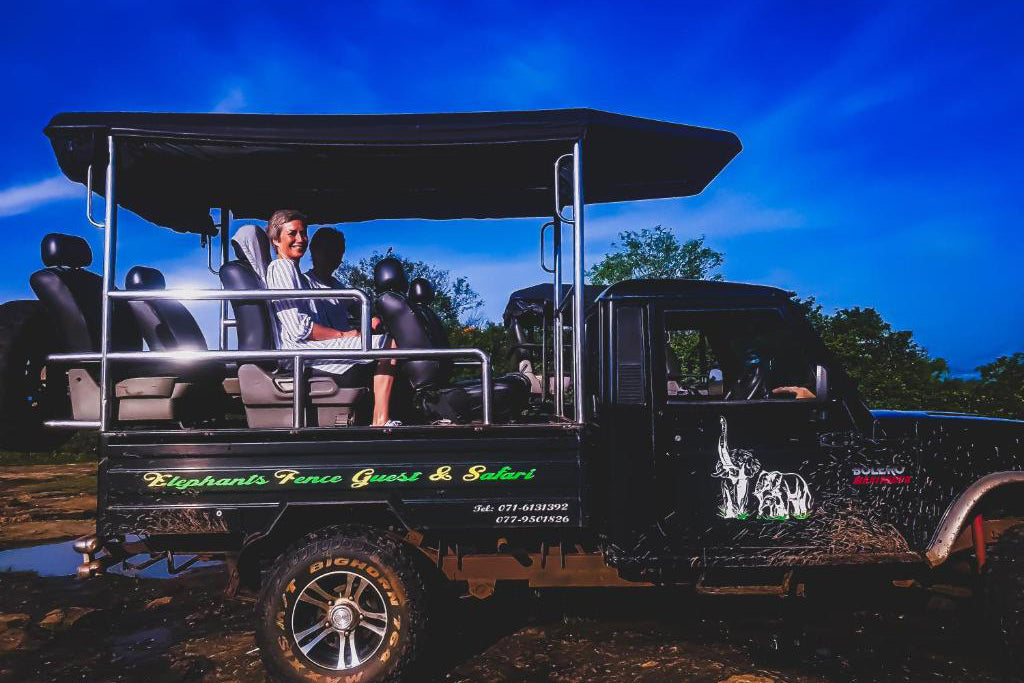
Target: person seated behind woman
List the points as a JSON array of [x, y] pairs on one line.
[[300, 326], [327, 249]]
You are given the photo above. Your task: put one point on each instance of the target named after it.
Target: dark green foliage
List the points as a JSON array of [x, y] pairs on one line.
[[490, 337], [656, 254], [455, 301], [82, 447], [894, 371], [1000, 391]]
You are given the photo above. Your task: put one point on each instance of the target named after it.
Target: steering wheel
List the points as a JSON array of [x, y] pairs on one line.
[[749, 386]]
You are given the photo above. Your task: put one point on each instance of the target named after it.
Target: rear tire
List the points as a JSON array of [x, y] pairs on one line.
[[345, 603], [29, 395], [1004, 594]]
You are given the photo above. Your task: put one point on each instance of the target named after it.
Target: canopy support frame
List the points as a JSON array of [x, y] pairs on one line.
[[226, 321], [109, 273], [578, 331]]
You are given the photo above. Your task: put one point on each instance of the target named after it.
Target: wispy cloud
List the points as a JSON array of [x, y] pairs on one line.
[[232, 102], [723, 214], [23, 198]]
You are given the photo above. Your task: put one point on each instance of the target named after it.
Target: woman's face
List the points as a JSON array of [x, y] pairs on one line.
[[292, 242]]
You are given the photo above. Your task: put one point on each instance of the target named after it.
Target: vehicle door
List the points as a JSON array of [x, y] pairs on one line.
[[743, 412]]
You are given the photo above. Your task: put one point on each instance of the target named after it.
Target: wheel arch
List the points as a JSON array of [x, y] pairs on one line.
[[954, 519], [298, 519]]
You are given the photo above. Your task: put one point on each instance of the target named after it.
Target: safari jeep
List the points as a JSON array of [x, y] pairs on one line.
[[654, 432]]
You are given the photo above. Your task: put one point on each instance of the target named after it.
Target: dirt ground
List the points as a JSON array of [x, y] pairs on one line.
[[46, 503], [119, 628]]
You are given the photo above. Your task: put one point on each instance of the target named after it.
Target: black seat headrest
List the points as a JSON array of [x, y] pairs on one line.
[[141, 277], [65, 250], [389, 276], [420, 291], [254, 325]]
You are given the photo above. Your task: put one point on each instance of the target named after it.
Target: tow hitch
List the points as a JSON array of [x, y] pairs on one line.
[[119, 552]]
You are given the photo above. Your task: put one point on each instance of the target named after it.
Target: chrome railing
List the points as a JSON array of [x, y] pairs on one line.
[[297, 356]]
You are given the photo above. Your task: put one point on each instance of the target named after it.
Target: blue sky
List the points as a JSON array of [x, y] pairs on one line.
[[882, 144]]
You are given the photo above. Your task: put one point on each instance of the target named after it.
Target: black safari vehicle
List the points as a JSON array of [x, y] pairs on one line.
[[655, 433]]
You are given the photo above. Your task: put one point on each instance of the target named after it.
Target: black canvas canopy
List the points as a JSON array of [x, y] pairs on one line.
[[173, 168], [530, 305]]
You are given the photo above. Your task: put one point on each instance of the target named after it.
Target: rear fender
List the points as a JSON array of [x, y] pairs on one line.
[[959, 511], [295, 520]]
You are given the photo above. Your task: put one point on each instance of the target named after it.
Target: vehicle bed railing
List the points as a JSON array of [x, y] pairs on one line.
[[297, 356]]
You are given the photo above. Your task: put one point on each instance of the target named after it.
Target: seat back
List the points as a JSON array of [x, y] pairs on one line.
[[166, 325], [73, 297], [421, 295], [409, 330], [255, 327]]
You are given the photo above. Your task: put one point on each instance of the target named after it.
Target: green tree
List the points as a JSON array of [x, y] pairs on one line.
[[455, 301], [490, 337], [891, 369], [656, 254], [1000, 391]]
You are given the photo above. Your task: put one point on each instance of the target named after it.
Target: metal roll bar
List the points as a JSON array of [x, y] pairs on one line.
[[260, 294], [297, 356], [105, 356], [578, 333], [109, 255], [225, 321]]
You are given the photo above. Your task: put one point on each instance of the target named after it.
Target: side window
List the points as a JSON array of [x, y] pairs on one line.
[[735, 356]]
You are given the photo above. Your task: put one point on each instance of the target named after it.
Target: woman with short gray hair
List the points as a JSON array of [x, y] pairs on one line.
[[302, 328]]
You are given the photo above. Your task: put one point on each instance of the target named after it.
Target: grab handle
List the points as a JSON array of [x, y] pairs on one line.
[[88, 198], [558, 194], [549, 224]]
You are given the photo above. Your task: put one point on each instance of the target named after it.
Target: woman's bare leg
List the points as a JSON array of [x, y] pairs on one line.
[[383, 380]]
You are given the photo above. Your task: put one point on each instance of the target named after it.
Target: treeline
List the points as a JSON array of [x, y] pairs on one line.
[[892, 370]]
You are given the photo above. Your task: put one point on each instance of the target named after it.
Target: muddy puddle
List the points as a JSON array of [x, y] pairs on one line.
[[60, 559], [46, 503]]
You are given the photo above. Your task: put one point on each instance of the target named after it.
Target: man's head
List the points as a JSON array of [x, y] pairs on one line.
[[287, 232], [327, 248]]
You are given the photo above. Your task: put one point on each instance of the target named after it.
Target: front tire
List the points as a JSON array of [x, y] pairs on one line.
[[1004, 593], [345, 603]]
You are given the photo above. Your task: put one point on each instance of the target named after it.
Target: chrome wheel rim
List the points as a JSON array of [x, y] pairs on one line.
[[339, 620]]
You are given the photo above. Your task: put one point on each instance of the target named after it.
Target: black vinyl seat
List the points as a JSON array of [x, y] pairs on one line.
[[73, 297], [415, 325], [166, 325], [266, 388]]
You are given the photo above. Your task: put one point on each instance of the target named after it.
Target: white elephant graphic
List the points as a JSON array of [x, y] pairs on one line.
[[735, 468], [780, 495]]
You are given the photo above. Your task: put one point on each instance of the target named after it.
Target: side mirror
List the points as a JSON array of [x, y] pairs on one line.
[[821, 383]]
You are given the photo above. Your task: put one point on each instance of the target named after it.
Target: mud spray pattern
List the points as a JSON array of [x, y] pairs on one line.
[[780, 495]]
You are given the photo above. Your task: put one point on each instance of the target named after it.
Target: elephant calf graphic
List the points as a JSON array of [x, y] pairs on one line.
[[780, 495]]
